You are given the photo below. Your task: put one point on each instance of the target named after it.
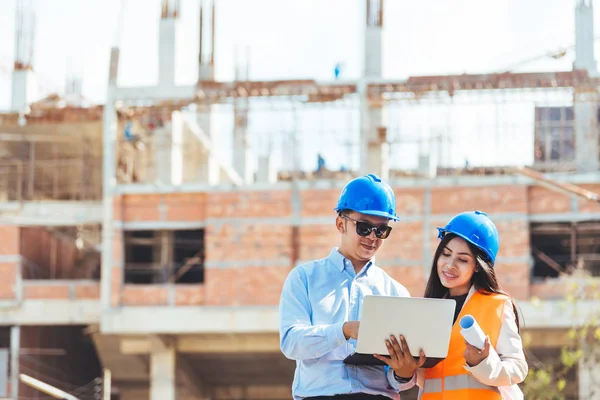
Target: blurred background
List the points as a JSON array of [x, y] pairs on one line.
[[164, 164]]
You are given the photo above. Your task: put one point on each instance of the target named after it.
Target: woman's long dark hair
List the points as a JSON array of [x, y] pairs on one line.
[[484, 279]]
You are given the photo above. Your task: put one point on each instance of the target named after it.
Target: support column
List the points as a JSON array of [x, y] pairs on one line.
[[15, 346], [162, 373], [206, 56], [584, 37], [586, 131], [371, 117], [242, 154], [169, 21], [589, 372], [109, 126]]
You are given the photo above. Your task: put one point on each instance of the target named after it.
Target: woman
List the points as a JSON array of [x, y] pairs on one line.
[[463, 270]]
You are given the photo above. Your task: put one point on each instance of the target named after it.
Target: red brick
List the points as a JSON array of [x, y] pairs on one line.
[[141, 207], [316, 241], [586, 206], [248, 242], [245, 286], [9, 240], [190, 295], [267, 204], [405, 242], [144, 295], [7, 292], [87, 291], [413, 278], [8, 273], [115, 286], [117, 248], [490, 199], [409, 202], [514, 238], [319, 202], [514, 279], [186, 206], [50, 292], [545, 201]]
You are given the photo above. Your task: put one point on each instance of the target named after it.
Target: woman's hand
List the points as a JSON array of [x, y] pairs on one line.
[[473, 356]]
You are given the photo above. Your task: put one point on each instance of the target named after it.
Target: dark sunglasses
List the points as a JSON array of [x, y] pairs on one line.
[[365, 229]]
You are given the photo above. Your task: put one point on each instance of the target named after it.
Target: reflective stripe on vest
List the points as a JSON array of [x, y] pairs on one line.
[[456, 382]]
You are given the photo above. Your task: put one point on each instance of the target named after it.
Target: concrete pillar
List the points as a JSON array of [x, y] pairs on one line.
[[206, 57], [584, 37], [589, 372], [586, 132], [167, 34], [266, 172], [15, 346], [371, 117], [24, 89], [109, 140], [208, 169], [162, 374]]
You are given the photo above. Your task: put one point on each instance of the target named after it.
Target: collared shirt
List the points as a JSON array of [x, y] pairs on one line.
[[317, 298]]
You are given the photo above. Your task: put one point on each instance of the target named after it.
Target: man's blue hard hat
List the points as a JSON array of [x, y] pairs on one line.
[[368, 195], [476, 228]]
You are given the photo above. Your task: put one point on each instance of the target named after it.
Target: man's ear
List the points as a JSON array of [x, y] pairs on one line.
[[339, 224]]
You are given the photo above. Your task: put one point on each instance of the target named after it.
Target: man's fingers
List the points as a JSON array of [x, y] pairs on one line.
[[405, 349], [421, 359], [391, 349], [396, 345], [382, 358]]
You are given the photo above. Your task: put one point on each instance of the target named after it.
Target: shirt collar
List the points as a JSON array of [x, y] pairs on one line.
[[338, 260]]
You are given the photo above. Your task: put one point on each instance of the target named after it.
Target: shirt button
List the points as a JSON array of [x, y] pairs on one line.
[[317, 354]]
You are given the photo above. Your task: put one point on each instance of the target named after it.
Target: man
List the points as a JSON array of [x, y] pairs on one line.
[[320, 304]]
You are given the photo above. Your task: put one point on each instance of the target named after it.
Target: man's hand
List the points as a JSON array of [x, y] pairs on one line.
[[473, 356], [350, 329], [400, 360]]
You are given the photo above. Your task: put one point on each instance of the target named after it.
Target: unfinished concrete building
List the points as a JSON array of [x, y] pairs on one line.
[[140, 262]]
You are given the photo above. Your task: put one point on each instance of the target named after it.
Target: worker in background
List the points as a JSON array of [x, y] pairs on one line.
[[320, 302], [463, 270]]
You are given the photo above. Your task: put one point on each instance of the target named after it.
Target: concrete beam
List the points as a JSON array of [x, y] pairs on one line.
[[51, 213], [265, 319], [51, 312], [225, 343]]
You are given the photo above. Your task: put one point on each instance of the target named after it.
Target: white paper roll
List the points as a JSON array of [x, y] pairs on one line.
[[472, 332]]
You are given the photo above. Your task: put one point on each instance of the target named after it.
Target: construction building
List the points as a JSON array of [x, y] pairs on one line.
[[140, 262]]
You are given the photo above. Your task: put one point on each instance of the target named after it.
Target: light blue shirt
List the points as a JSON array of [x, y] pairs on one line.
[[317, 298]]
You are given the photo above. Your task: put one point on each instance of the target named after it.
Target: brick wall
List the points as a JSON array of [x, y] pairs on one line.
[[253, 238], [9, 262]]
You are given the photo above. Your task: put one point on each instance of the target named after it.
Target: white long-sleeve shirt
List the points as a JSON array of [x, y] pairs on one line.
[[505, 364]]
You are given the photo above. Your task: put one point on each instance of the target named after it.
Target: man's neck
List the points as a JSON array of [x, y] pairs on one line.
[[357, 264]]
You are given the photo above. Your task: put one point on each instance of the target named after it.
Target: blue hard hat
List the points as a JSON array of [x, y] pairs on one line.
[[476, 228], [368, 195]]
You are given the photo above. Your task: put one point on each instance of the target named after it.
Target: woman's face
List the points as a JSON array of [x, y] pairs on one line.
[[456, 266]]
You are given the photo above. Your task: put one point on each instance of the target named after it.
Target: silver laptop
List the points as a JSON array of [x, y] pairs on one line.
[[425, 323]]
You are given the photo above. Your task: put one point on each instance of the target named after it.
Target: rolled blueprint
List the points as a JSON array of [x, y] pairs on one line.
[[472, 332]]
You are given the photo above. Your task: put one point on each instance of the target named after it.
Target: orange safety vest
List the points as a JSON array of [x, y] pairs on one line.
[[448, 380]]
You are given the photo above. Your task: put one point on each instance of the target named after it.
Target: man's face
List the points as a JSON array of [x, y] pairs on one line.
[[358, 247]]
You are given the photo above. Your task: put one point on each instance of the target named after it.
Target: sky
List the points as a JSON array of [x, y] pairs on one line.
[[292, 39]]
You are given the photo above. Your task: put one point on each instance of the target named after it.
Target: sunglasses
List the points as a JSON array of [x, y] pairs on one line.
[[365, 229]]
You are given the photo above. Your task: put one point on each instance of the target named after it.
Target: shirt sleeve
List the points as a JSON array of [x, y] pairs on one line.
[[299, 339], [399, 386], [506, 364]]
